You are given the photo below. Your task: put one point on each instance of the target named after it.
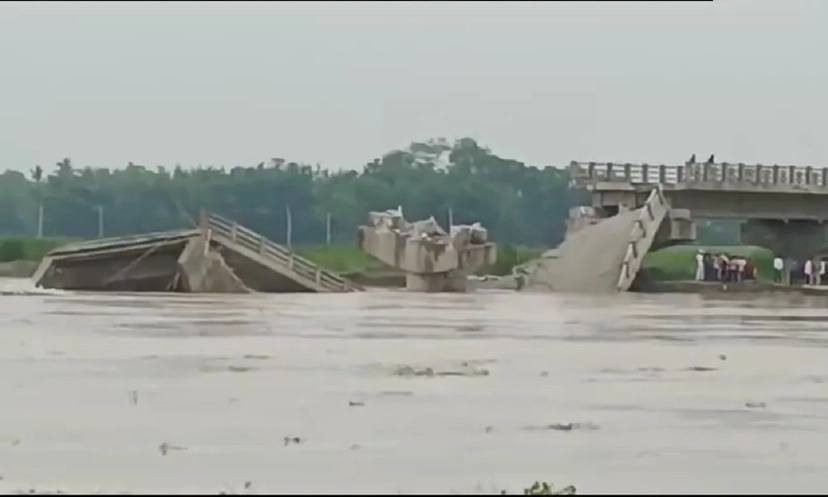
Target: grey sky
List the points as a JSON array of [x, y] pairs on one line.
[[339, 83]]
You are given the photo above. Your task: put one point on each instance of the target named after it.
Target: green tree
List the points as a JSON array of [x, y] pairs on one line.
[[519, 204]]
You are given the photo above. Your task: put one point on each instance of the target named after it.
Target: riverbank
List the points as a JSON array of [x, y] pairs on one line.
[[678, 263]]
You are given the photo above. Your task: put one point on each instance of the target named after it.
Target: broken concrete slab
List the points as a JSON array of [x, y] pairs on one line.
[[220, 256], [433, 260], [202, 270]]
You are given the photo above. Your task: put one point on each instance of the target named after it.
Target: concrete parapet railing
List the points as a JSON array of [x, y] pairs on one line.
[[274, 252], [689, 173], [650, 217]]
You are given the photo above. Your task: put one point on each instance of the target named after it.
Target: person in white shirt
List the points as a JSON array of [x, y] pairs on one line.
[[822, 267], [741, 262], [778, 266], [700, 265], [809, 272]]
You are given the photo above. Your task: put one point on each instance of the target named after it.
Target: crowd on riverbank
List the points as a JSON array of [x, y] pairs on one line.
[[724, 267], [727, 267]]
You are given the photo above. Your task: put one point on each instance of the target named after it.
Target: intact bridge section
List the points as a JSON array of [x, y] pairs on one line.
[[784, 207]]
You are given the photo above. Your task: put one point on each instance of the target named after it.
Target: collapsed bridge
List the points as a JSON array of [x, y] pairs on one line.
[[220, 256]]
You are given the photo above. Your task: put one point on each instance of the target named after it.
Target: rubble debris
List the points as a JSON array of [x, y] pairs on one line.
[[432, 259]]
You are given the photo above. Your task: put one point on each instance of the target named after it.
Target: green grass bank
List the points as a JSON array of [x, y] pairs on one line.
[[678, 263], [28, 248]]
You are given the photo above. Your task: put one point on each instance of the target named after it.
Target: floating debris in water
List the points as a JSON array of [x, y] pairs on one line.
[[408, 371], [701, 369], [164, 448], [544, 488], [292, 440], [240, 369], [565, 427]]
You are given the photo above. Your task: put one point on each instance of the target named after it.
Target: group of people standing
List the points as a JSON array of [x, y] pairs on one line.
[[809, 272], [723, 267], [727, 267]]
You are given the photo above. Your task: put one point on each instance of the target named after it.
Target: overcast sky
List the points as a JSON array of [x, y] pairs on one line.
[[340, 83]]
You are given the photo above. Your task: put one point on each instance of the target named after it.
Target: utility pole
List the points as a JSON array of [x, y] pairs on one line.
[[100, 221], [40, 220], [289, 227], [451, 217], [328, 229]]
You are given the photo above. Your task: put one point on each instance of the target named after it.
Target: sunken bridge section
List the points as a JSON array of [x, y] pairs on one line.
[[220, 256]]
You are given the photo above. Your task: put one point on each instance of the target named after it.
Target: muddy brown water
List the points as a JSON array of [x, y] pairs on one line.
[[387, 391]]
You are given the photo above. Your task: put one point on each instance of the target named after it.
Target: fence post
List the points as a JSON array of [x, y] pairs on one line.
[[40, 220], [328, 229], [99, 208], [289, 226]]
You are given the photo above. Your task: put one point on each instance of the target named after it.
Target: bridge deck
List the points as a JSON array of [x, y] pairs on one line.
[[694, 176], [601, 257]]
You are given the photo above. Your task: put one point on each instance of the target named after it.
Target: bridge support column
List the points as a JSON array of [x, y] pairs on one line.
[[799, 239], [432, 262], [451, 281]]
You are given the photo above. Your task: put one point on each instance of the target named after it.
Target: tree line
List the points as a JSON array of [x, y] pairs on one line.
[[519, 204]]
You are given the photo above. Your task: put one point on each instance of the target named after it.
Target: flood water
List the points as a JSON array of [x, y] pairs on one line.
[[664, 393]]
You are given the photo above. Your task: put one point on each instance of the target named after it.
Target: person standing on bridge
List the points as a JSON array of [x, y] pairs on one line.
[[700, 265], [778, 266]]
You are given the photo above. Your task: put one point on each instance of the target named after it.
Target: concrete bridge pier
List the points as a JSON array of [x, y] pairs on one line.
[[798, 238], [432, 260]]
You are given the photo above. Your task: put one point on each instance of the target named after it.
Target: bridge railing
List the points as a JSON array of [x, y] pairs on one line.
[[641, 238], [761, 174], [275, 252]]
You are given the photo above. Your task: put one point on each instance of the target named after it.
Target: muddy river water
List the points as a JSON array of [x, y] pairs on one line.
[[393, 392]]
